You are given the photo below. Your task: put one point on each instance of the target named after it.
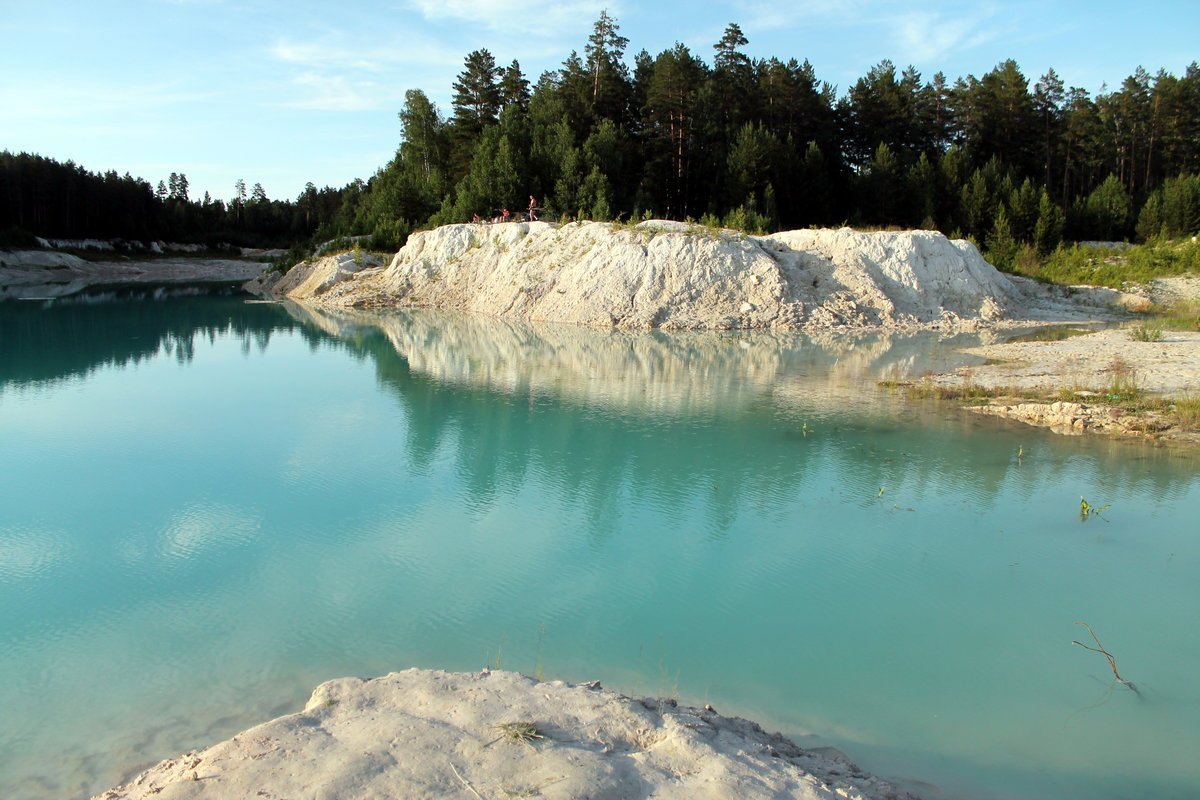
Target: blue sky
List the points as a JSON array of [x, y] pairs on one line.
[[286, 92]]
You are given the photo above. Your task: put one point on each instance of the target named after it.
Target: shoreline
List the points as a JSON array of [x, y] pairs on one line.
[[1100, 382], [427, 733], [48, 274]]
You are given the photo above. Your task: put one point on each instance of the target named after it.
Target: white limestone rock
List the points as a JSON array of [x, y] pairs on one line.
[[683, 277]]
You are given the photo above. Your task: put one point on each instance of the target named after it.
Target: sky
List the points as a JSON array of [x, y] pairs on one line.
[[282, 93]]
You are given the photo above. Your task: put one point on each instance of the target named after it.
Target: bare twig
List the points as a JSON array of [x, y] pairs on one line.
[[1112, 661], [465, 782]]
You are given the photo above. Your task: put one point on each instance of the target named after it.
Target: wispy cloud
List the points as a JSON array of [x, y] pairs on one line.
[[539, 18], [338, 93], [763, 15], [928, 36], [336, 72], [336, 51]]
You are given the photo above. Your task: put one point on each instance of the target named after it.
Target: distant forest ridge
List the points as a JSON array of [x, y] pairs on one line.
[[757, 144]]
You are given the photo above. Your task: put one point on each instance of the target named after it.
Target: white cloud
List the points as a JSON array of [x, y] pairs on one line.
[[339, 73], [540, 18], [930, 36], [763, 16], [338, 93], [341, 53]]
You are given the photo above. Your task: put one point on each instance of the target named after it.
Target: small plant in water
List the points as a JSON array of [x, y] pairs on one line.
[[1087, 510]]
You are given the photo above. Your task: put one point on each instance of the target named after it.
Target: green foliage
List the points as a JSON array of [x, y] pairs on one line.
[[594, 196], [1106, 213], [882, 187], [1146, 332], [492, 182], [1001, 246], [1181, 316], [1047, 232], [1118, 268], [1173, 210]]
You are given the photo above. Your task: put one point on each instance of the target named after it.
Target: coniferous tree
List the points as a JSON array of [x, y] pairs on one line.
[[609, 76], [1048, 231], [921, 192], [999, 119], [1048, 96], [671, 108], [514, 88], [476, 105]]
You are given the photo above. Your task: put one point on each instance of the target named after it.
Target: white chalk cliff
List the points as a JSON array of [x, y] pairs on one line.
[[677, 277]]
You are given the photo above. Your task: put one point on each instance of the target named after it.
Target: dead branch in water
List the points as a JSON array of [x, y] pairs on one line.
[[1112, 661]]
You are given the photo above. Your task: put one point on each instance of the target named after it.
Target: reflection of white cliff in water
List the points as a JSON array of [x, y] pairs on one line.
[[741, 419], [654, 372]]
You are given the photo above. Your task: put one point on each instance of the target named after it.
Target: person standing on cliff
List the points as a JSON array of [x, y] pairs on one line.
[[532, 208]]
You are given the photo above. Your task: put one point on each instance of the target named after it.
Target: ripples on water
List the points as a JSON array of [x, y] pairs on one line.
[[210, 507]]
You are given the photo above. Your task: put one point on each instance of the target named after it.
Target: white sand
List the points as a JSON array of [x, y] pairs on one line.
[[1092, 361], [429, 734]]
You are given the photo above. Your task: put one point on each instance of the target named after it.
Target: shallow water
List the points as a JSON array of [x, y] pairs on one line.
[[210, 506]]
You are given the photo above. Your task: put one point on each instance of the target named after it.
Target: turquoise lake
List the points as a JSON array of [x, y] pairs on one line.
[[208, 506]]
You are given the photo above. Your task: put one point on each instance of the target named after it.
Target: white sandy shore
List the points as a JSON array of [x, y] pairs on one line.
[[1081, 370], [1092, 362], [431, 734]]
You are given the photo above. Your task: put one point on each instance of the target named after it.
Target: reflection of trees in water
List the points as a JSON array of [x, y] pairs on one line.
[[70, 337], [737, 435], [717, 421]]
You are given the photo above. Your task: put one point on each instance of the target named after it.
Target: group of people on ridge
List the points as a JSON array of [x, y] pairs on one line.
[[506, 216]]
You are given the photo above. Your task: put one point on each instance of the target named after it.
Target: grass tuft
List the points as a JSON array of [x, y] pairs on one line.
[[1146, 332], [521, 732]]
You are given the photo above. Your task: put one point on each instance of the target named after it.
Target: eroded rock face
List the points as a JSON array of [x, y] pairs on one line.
[[312, 278], [429, 734], [679, 277], [1075, 419]]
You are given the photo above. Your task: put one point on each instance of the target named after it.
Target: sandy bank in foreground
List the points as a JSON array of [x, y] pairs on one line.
[[431, 734]]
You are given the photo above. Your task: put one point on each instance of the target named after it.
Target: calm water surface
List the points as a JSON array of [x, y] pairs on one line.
[[209, 506]]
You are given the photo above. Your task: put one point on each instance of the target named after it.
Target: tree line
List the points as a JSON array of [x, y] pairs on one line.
[[43, 197], [752, 143], [763, 143]]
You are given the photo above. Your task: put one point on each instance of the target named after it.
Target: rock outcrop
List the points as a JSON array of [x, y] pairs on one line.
[[683, 277], [427, 734], [1075, 419]]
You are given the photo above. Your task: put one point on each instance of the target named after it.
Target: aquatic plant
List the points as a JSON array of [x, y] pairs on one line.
[[1087, 510]]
